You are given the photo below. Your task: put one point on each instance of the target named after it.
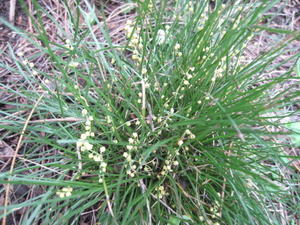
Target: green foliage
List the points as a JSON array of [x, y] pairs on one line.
[[170, 123], [298, 67], [295, 127]]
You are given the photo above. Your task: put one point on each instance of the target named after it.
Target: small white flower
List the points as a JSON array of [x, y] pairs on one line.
[[65, 189], [31, 65], [83, 148], [180, 142], [129, 22], [131, 140], [133, 167], [186, 82], [84, 112], [20, 54], [108, 119], [189, 76], [161, 36], [144, 71], [192, 136], [125, 154], [83, 136], [177, 46], [79, 144], [135, 135], [129, 147], [128, 158], [102, 149], [60, 194], [88, 123], [88, 146], [74, 64], [131, 174]]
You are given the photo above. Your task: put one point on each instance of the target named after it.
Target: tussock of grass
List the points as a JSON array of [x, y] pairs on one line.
[[167, 127]]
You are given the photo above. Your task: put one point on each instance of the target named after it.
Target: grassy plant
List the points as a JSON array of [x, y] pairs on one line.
[[168, 126]]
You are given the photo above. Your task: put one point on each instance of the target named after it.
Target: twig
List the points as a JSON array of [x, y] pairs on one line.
[[143, 97], [29, 18], [15, 156], [67, 119], [144, 188], [45, 167], [120, 10], [12, 9], [150, 117]]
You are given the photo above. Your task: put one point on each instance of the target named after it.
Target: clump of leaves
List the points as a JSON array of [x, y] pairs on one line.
[[169, 127]]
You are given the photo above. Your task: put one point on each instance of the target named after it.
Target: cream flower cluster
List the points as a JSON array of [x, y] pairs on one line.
[[187, 135], [108, 117], [190, 7], [135, 40], [140, 94], [177, 48], [190, 134], [215, 213], [168, 164], [185, 83], [161, 36], [27, 63], [203, 18], [160, 192], [73, 64], [65, 192], [83, 143], [187, 78], [220, 70], [163, 121], [68, 44], [131, 165]]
